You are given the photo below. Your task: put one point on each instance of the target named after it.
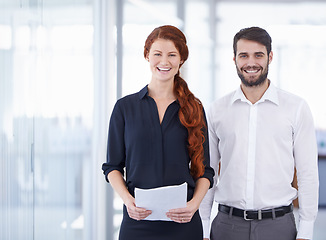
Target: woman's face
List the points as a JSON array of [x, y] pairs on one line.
[[164, 60]]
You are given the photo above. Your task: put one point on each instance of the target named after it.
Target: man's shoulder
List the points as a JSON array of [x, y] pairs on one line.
[[225, 100], [219, 106], [287, 97]]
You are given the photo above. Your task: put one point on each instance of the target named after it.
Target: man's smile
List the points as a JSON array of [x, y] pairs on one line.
[[251, 70]]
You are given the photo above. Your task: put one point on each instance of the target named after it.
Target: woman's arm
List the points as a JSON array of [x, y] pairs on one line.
[[184, 215], [119, 185]]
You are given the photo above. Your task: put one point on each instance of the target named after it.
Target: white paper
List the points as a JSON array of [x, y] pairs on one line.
[[161, 200]]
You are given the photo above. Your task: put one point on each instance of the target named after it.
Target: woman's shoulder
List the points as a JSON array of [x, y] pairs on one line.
[[133, 97], [128, 98]]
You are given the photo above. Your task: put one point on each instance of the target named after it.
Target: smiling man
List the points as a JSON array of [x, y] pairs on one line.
[[259, 135], [252, 62]]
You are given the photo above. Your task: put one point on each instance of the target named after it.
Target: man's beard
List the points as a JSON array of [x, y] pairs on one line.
[[261, 79]]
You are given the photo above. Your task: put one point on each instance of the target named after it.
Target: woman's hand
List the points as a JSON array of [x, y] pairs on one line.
[[119, 185], [182, 215], [136, 213]]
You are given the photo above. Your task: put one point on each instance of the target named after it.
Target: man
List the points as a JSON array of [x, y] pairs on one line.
[[259, 135]]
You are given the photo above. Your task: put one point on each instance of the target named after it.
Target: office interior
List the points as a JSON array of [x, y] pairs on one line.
[[64, 63]]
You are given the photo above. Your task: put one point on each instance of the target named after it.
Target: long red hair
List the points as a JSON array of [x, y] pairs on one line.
[[191, 113]]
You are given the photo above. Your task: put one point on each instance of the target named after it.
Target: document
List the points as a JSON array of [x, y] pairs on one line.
[[161, 200]]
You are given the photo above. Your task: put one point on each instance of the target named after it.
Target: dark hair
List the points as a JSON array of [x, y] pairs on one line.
[[256, 34], [191, 113]]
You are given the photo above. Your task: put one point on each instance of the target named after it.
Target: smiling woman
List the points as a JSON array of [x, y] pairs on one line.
[[170, 135], [164, 60], [191, 110]]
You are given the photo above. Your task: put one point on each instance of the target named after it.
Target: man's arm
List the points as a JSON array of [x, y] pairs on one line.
[[207, 203], [306, 161]]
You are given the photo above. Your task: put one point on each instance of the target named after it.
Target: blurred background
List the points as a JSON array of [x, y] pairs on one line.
[[63, 65]]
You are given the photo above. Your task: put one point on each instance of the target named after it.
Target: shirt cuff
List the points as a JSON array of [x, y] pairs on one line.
[[206, 224], [306, 229]]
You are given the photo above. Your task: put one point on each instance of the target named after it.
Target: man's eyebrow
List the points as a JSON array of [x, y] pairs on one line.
[[242, 53], [246, 53]]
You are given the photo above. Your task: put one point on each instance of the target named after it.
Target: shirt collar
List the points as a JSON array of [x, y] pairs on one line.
[[270, 95], [143, 93]]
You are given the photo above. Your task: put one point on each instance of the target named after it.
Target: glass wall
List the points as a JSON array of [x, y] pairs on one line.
[[16, 126], [48, 142]]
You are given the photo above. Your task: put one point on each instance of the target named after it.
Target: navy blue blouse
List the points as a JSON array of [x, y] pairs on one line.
[[152, 154]]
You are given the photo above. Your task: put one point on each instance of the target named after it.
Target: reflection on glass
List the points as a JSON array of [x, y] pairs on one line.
[[46, 113]]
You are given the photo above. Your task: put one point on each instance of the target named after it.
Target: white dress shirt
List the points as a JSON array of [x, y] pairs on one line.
[[259, 146]]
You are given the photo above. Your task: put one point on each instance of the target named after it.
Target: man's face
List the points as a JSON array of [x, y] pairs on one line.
[[252, 62]]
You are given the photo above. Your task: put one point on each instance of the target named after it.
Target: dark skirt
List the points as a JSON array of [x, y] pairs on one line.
[[160, 230]]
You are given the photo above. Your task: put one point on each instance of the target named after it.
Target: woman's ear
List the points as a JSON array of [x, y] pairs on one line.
[[146, 57]]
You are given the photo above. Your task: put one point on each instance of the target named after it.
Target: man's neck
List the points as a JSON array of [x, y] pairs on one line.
[[255, 93]]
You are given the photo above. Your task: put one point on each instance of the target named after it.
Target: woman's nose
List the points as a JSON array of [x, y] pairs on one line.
[[164, 60]]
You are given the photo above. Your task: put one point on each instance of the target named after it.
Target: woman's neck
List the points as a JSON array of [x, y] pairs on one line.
[[161, 90]]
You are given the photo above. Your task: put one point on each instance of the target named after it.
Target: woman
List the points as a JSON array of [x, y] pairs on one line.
[[155, 134]]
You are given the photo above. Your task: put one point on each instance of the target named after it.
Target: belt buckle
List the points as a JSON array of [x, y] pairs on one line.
[[245, 215]]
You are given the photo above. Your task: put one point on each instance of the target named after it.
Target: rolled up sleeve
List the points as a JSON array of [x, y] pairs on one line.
[[115, 157]]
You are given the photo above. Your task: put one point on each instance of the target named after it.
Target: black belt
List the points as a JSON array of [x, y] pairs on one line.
[[256, 215]]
